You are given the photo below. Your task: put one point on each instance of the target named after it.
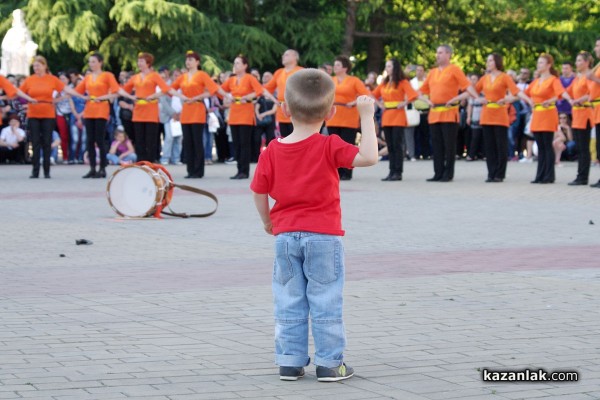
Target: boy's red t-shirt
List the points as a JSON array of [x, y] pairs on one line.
[[303, 180]]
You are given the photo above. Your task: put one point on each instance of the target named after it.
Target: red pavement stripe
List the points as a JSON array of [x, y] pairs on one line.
[[192, 275]]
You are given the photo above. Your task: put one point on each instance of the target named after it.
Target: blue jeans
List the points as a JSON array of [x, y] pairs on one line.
[[207, 141], [114, 159], [171, 147], [308, 279], [78, 140]]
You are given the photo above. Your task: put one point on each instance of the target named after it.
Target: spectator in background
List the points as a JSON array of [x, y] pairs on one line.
[[255, 73], [265, 110], [78, 131], [422, 142], [12, 138], [566, 78], [121, 150], [125, 107], [474, 106], [523, 117], [563, 143], [63, 116]]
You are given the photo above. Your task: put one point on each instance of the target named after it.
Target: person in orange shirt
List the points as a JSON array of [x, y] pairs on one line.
[[41, 113], [582, 117], [289, 60], [395, 92], [345, 122], [195, 86], [443, 84], [242, 87], [145, 113], [593, 77], [99, 86], [543, 93], [10, 91], [498, 89]]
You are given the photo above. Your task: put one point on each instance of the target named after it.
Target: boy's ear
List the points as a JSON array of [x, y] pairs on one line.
[[330, 114], [285, 110]]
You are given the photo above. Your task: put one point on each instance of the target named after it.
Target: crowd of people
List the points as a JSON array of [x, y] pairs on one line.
[[180, 116]]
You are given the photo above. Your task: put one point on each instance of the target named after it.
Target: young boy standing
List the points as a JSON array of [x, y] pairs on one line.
[[300, 173]]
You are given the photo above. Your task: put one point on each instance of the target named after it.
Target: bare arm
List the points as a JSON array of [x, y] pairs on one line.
[[261, 201], [368, 153]]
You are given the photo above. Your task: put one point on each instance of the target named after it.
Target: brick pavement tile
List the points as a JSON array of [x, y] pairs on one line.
[[426, 304]]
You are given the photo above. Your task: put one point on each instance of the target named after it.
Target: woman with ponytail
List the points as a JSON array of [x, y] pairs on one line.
[[544, 92], [395, 93]]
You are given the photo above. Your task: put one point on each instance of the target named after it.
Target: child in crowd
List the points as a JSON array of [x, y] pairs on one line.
[[12, 140], [563, 139], [300, 173], [121, 150]]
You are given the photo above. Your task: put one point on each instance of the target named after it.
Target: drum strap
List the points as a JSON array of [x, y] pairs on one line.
[[197, 191]]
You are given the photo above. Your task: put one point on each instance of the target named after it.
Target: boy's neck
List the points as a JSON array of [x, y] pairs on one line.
[[302, 131]]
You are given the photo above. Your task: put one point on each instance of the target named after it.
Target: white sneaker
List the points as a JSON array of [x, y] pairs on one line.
[[164, 163], [52, 161], [413, 159], [526, 160]]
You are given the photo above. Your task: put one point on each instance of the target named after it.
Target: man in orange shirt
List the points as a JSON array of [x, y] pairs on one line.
[[594, 84], [443, 85], [289, 60]]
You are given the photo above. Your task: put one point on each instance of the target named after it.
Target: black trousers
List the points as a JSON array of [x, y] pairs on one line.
[[545, 168], [475, 147], [394, 137], [285, 128], [422, 138], [96, 133], [597, 142], [495, 143], [193, 148], [242, 137], [443, 140], [128, 127], [584, 158], [146, 140], [40, 130], [348, 135], [269, 131]]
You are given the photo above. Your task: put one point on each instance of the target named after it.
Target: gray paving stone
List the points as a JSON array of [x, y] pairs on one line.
[[441, 280]]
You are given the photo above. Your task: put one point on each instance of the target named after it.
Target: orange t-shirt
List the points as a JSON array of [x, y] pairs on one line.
[[492, 113], [347, 91], [582, 115], [242, 114], [8, 87], [544, 120], [194, 113], [42, 88], [442, 85], [105, 83], [595, 98], [391, 96], [278, 84], [144, 111]]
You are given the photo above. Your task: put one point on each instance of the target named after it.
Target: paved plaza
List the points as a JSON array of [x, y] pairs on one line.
[[443, 281]]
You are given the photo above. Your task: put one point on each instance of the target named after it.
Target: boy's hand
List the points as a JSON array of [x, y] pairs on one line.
[[269, 228], [365, 106]]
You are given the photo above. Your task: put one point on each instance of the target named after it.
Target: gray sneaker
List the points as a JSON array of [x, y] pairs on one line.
[[290, 373], [340, 373]]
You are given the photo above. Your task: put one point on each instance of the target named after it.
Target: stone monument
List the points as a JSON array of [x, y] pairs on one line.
[[17, 47]]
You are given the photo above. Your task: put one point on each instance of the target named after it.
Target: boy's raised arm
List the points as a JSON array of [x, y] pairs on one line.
[[367, 151]]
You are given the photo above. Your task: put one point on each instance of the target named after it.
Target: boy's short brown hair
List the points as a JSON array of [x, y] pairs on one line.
[[309, 95]]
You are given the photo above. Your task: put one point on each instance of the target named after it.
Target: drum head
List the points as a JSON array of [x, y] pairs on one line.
[[133, 192]]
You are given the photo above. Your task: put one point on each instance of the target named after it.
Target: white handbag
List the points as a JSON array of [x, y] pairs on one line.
[[413, 117]]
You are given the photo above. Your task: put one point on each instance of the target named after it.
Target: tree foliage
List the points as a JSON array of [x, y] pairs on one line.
[[66, 30]]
